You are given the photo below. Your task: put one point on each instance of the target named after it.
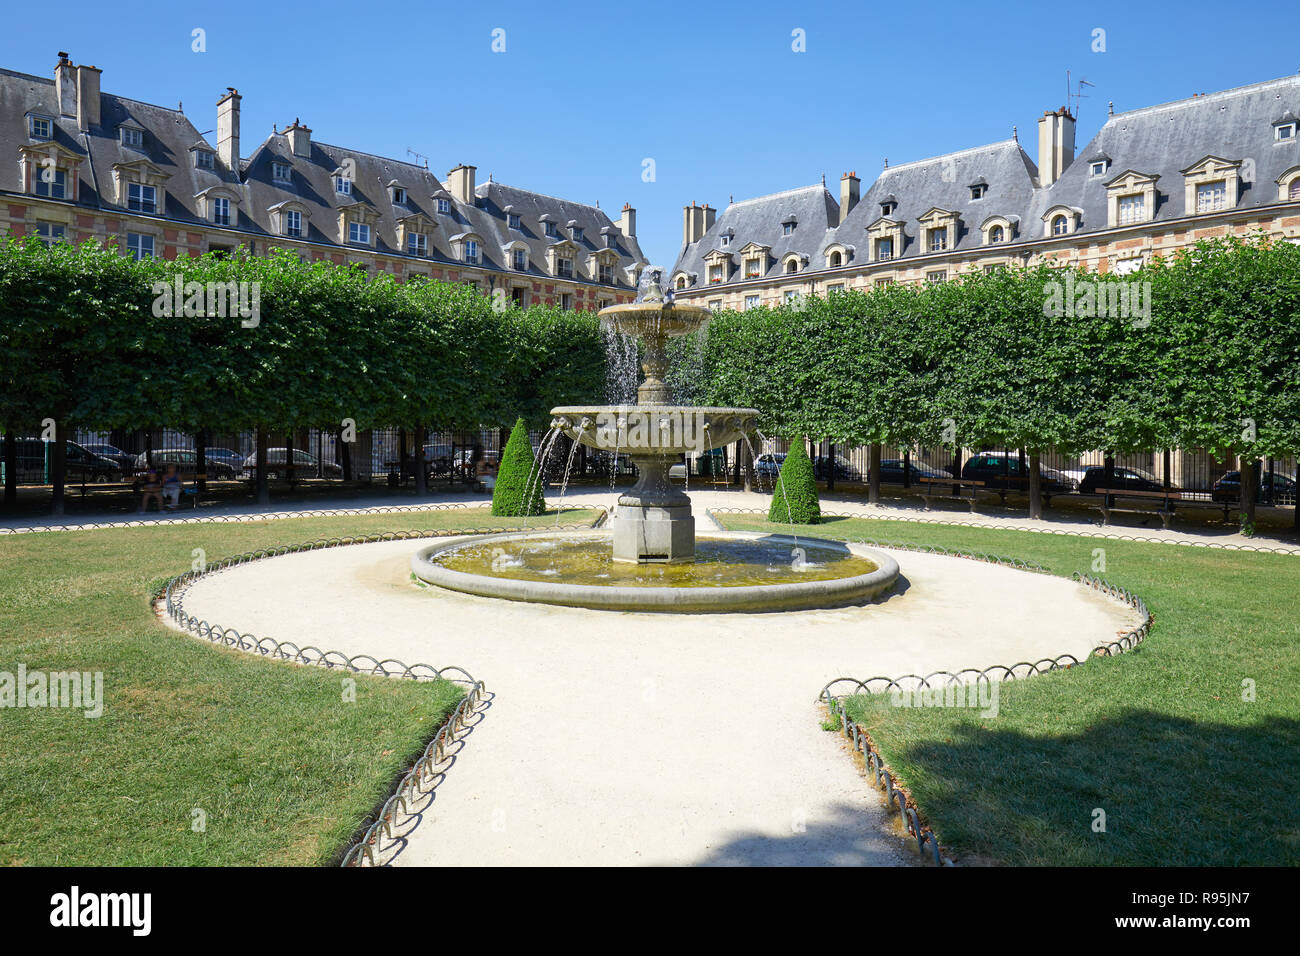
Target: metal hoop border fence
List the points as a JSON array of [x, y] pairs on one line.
[[875, 764], [408, 788], [1065, 532]]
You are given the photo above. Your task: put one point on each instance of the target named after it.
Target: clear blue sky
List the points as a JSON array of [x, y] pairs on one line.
[[713, 93]]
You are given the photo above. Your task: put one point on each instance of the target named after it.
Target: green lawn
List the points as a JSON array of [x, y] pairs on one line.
[[284, 770], [1160, 738]]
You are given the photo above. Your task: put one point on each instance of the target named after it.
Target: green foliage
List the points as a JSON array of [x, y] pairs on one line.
[[795, 500], [518, 490]]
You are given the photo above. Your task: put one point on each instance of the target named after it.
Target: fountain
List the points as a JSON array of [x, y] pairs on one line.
[[651, 559]]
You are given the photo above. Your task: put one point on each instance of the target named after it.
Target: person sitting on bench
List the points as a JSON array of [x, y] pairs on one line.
[[171, 487], [484, 472]]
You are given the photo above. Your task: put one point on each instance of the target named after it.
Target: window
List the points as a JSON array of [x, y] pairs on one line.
[[787, 229], [133, 138], [202, 159], [564, 268], [1097, 168], [997, 234], [417, 244], [884, 249], [138, 246], [342, 186], [939, 275], [359, 232], [471, 251], [1293, 191], [293, 224], [141, 198], [399, 196], [751, 302], [444, 205], [978, 191], [792, 267], [49, 232], [550, 231], [887, 208], [1124, 266], [566, 301], [1060, 226], [836, 260], [281, 172], [50, 182], [39, 127], [520, 260], [520, 297], [715, 305], [1284, 132], [577, 234], [1211, 196], [938, 239], [1131, 209], [681, 282], [221, 211], [715, 272], [837, 287], [606, 274], [991, 267], [724, 240], [512, 220], [792, 295], [881, 283]]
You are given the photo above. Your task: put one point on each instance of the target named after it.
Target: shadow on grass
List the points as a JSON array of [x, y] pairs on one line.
[[1174, 791]]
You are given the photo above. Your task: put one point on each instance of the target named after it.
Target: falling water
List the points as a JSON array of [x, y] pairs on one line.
[[564, 481], [539, 466], [767, 442]]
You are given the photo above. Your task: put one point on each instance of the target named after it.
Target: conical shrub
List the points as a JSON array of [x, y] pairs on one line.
[[796, 498], [518, 491]]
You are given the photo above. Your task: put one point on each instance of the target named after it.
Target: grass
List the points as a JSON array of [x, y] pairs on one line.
[[1161, 739], [284, 770]]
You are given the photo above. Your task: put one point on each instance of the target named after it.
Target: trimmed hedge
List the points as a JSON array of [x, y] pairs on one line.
[[795, 499], [518, 491]]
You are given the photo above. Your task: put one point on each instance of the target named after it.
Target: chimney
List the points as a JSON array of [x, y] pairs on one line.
[[65, 83], [460, 183], [299, 138], [850, 193], [692, 223], [228, 129], [627, 221], [1055, 145], [710, 217], [87, 96]]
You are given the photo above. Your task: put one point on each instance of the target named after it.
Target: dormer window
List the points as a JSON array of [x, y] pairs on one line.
[[141, 198], [724, 240], [342, 186], [550, 230], [606, 274], [792, 267], [399, 196], [50, 183], [1284, 132], [40, 127], [577, 234], [359, 232], [997, 234], [520, 260], [564, 268], [512, 220], [417, 244], [220, 211], [1060, 225], [787, 228], [203, 159], [132, 137], [715, 272], [1131, 209], [293, 223], [1097, 167], [978, 189], [887, 208], [1211, 197], [444, 205], [471, 252], [281, 172], [884, 249]]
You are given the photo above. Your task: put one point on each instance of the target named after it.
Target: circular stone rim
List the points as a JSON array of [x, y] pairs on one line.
[[799, 596]]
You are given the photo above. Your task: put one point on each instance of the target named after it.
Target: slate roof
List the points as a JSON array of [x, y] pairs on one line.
[[1159, 140], [169, 137]]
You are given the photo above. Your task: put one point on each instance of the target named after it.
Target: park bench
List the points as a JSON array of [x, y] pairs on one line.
[[927, 486], [1166, 499]]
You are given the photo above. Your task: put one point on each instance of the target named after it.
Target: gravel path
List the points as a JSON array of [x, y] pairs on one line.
[[619, 738]]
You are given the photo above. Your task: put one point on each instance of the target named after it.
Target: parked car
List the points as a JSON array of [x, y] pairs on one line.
[[305, 465], [1129, 479], [844, 469], [998, 470], [891, 471], [769, 465], [186, 460], [125, 460], [80, 465], [1272, 487], [226, 456], [707, 464]]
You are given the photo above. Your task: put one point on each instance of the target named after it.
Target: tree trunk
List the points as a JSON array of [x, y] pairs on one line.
[[288, 456], [873, 474], [1249, 471], [749, 463], [345, 455], [201, 461], [1035, 487], [907, 468], [263, 486], [59, 468], [830, 467], [11, 470], [1108, 480], [421, 470]]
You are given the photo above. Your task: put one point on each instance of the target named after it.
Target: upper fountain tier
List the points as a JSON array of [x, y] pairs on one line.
[[651, 319]]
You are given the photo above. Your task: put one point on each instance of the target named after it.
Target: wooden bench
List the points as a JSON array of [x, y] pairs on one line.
[[1166, 498], [927, 484]]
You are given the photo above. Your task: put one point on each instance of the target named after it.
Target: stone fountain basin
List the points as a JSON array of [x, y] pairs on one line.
[[634, 318], [836, 592], [654, 429]]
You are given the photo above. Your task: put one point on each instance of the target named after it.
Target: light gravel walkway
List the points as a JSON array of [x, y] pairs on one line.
[[620, 738]]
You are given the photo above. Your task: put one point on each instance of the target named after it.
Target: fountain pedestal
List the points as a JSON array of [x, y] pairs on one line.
[[653, 524]]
